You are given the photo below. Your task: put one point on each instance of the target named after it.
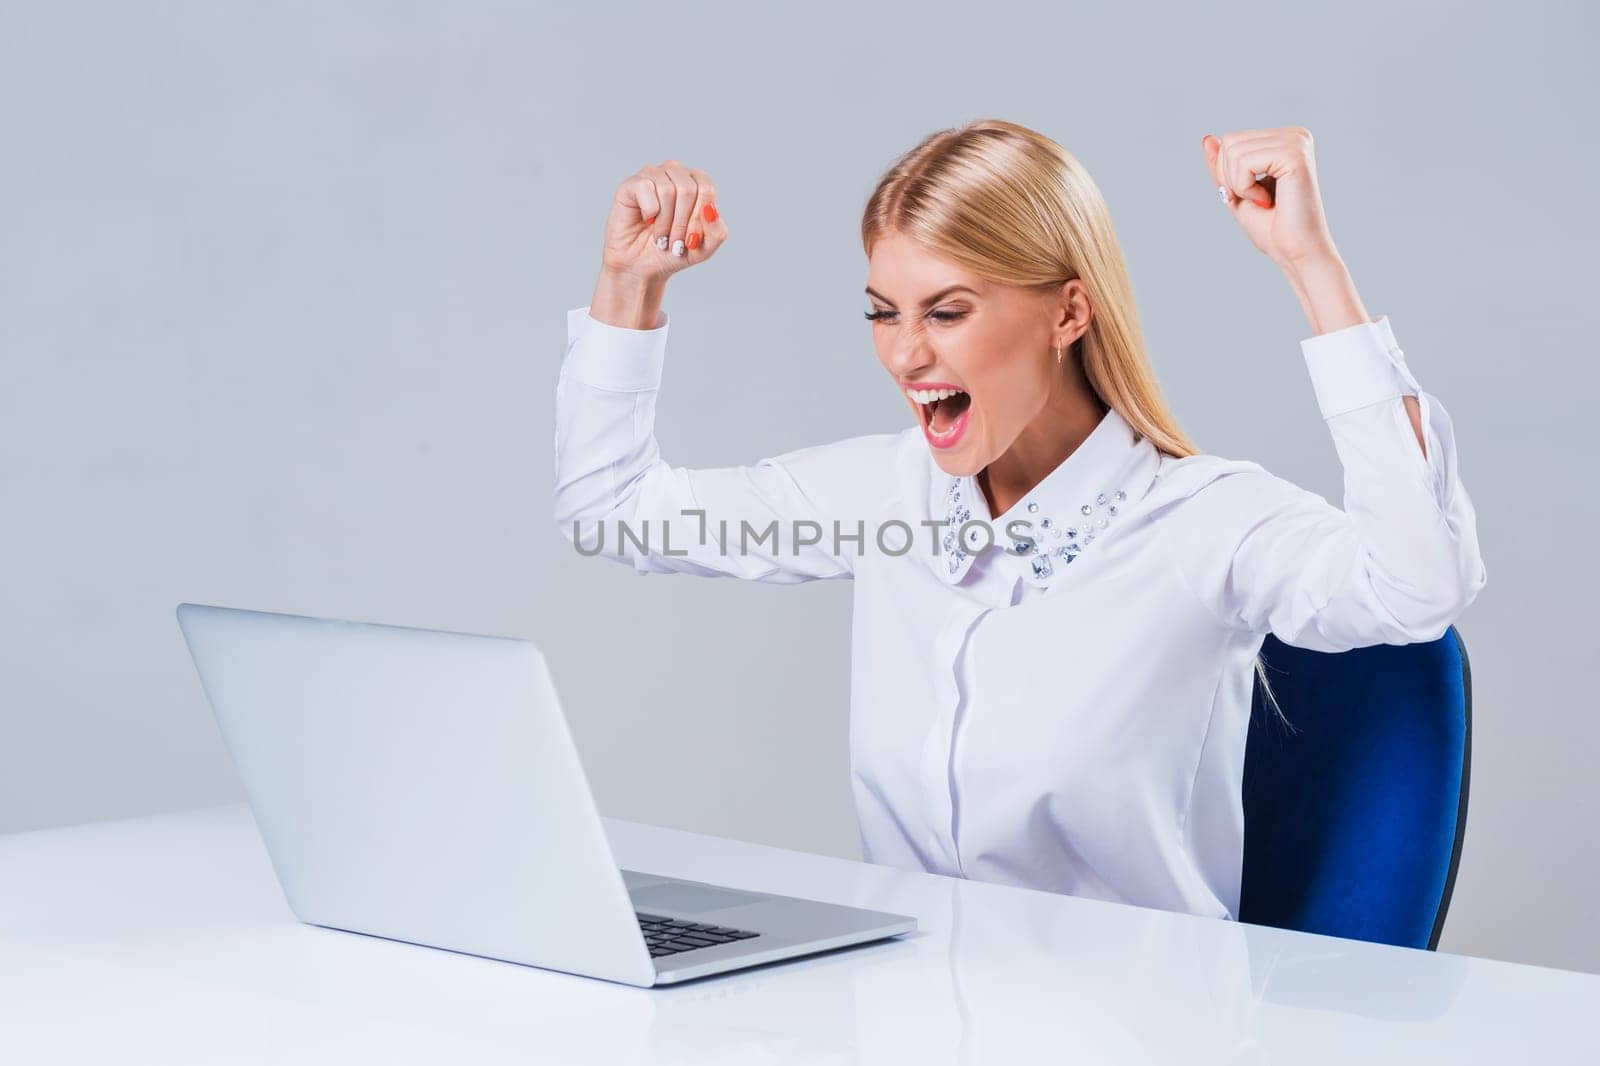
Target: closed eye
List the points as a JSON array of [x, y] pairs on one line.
[[942, 316]]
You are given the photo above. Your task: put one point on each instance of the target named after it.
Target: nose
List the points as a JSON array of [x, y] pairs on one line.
[[908, 354]]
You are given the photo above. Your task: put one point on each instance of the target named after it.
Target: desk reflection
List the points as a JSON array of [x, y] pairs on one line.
[[1011, 976]]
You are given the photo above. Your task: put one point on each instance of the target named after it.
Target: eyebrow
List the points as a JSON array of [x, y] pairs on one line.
[[930, 301]]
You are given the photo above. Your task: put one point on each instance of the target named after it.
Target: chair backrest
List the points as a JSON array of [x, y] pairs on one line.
[[1354, 811]]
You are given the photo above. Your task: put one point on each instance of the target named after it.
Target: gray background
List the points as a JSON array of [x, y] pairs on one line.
[[283, 294]]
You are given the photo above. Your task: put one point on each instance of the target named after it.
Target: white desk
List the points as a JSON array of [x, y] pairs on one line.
[[166, 940]]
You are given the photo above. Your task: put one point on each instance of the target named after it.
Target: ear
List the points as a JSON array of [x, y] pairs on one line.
[[1074, 312]]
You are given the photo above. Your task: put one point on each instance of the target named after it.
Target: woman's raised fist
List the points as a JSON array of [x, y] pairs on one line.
[[663, 218]]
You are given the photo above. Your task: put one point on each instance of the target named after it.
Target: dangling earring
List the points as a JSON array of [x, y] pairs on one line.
[[1060, 354]]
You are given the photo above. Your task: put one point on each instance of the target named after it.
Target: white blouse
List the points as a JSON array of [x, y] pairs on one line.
[[1067, 709]]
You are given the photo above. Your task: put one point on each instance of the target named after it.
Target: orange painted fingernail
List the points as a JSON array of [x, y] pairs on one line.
[[649, 220], [694, 241], [710, 212]]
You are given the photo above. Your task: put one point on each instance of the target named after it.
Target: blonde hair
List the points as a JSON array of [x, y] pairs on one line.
[[1016, 208]]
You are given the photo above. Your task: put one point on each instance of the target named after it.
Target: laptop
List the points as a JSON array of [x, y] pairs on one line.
[[422, 785]]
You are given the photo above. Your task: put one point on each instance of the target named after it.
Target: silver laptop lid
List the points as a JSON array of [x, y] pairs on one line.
[[420, 785]]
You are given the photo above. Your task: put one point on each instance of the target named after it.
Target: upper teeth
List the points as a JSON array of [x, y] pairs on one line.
[[930, 395]]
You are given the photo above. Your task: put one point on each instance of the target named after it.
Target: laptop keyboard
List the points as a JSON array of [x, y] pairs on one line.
[[669, 936]]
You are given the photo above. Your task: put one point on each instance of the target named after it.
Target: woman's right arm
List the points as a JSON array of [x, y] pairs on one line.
[[801, 516], [805, 515]]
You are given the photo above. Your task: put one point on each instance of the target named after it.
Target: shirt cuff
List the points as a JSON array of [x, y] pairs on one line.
[[613, 357], [1356, 367]]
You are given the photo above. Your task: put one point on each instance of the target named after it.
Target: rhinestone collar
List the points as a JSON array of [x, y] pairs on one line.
[[1078, 502]]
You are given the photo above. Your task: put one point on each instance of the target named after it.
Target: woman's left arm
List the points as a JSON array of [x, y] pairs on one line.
[[1401, 561], [1328, 297]]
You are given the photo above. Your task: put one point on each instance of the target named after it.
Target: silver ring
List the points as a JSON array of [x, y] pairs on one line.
[[677, 248], [1223, 191], [661, 242]]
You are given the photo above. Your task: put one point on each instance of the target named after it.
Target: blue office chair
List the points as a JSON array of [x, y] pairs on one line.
[[1354, 811]]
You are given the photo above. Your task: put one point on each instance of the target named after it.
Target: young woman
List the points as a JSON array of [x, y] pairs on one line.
[[1058, 599]]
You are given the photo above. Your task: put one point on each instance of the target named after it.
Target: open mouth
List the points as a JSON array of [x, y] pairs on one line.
[[943, 411]]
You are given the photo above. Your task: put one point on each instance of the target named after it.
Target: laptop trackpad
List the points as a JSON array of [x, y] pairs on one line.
[[690, 899]]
